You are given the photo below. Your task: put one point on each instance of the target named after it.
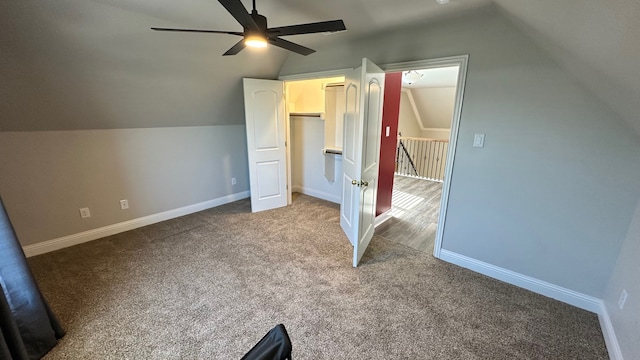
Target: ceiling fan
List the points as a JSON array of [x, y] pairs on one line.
[[256, 33]]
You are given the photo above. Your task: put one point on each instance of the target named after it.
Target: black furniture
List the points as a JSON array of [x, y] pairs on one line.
[[28, 328], [276, 345]]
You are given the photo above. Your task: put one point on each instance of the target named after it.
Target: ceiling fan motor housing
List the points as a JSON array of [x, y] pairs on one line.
[[261, 21]]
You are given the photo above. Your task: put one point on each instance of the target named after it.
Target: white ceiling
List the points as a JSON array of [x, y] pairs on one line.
[[101, 53]]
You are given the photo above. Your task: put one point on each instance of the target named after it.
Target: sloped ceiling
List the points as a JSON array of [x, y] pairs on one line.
[[597, 41], [92, 64], [434, 96], [75, 64]]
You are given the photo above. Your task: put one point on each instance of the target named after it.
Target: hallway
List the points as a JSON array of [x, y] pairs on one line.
[[416, 206]]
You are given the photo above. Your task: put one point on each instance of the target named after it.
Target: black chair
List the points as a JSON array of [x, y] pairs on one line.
[[28, 328], [276, 345]]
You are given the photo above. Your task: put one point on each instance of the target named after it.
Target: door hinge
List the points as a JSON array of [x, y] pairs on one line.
[[285, 143]]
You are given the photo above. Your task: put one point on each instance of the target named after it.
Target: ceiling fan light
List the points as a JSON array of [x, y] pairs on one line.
[[256, 41]]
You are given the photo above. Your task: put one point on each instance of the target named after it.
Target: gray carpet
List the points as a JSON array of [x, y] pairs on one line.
[[211, 284]]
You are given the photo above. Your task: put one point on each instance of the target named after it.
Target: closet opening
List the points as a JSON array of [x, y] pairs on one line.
[[315, 109]]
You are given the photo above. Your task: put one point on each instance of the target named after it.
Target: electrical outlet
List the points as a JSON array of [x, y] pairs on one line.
[[233, 181], [85, 213], [622, 299], [124, 204]]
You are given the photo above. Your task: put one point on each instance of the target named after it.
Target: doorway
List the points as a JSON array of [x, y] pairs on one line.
[[425, 113], [264, 106], [390, 143], [361, 118]]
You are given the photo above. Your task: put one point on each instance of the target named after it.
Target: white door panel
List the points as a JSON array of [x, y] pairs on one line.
[[362, 124], [265, 116], [265, 122], [346, 210], [351, 122], [268, 176], [349, 213]]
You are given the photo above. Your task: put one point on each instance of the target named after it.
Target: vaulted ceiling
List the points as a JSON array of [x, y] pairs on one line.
[[90, 64], [595, 40]]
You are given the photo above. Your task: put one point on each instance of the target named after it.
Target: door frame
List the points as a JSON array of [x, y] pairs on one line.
[[459, 60], [462, 62]]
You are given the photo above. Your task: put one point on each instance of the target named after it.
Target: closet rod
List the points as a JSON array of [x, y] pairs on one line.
[[318, 115]]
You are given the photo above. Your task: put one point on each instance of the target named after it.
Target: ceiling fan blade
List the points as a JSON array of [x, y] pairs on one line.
[[235, 48], [291, 46], [318, 27], [239, 12], [199, 31]]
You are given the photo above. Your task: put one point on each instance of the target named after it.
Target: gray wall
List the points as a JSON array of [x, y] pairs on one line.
[[79, 65], [552, 193], [48, 175], [69, 65], [626, 322]]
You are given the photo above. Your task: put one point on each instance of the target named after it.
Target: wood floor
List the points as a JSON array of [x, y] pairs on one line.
[[416, 206]]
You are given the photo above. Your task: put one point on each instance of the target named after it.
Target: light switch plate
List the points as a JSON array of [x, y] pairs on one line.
[[622, 299], [478, 140]]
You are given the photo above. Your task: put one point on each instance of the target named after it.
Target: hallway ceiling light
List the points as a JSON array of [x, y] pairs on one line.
[[411, 76]]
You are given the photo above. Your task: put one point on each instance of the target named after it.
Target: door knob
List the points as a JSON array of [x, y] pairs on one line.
[[358, 183]]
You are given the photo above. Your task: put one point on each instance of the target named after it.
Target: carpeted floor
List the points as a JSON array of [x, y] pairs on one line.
[[211, 284]]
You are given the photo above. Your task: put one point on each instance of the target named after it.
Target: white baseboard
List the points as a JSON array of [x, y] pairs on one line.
[[85, 236], [316, 194], [609, 334], [560, 293], [383, 217]]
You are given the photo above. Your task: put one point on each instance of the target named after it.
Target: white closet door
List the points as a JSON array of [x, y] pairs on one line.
[[361, 152], [265, 123]]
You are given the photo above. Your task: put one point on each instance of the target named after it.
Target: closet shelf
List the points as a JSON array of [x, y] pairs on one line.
[[319, 115], [332, 151]]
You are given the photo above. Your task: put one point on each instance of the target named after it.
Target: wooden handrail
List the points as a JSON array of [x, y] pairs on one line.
[[422, 139]]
